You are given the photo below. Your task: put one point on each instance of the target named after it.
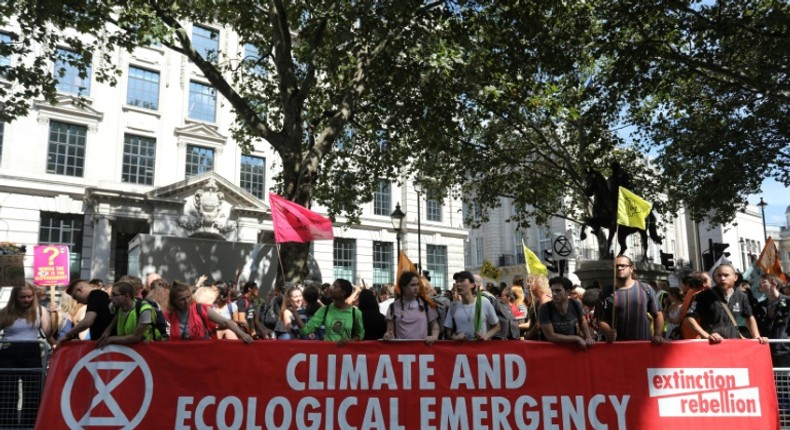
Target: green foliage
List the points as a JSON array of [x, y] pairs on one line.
[[485, 99]]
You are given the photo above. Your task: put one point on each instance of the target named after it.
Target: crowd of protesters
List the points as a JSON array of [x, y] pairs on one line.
[[536, 308]]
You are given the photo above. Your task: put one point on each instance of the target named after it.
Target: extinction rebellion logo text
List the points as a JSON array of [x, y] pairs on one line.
[[703, 392]]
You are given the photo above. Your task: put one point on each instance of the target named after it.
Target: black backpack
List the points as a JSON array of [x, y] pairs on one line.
[[508, 327], [159, 325], [272, 314]]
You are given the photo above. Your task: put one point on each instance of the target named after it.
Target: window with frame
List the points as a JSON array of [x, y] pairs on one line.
[[479, 251], [139, 158], [63, 229], [382, 198], [70, 79], [199, 160], [383, 267], [5, 60], [206, 42], [433, 206], [66, 153], [437, 265], [143, 88], [252, 59], [253, 175], [345, 259], [202, 102]]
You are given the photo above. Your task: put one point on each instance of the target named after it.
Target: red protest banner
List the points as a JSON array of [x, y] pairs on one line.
[[408, 385]]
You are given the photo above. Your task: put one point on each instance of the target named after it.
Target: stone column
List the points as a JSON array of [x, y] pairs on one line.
[[101, 252]]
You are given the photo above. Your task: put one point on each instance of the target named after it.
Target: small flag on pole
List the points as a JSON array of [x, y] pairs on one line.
[[532, 262], [632, 210], [296, 223]]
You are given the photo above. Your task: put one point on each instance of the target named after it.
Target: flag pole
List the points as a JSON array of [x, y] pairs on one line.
[[614, 278], [280, 260]]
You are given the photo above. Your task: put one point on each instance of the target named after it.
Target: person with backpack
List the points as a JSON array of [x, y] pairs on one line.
[[133, 323], [411, 316], [632, 301], [195, 321], [342, 321], [292, 314], [245, 306], [562, 319], [473, 318]]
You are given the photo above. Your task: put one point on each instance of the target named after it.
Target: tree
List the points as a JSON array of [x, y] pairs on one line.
[[488, 99], [339, 89]]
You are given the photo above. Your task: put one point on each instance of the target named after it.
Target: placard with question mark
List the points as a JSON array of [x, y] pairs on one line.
[[51, 265]]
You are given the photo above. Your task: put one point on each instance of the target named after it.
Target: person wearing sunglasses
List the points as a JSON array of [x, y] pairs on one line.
[[637, 314]]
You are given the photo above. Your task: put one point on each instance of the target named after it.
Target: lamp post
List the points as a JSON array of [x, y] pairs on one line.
[[762, 206], [397, 216]]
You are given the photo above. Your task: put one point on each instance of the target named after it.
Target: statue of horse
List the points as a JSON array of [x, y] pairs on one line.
[[604, 212]]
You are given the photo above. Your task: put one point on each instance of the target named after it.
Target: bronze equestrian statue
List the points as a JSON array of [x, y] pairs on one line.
[[604, 211]]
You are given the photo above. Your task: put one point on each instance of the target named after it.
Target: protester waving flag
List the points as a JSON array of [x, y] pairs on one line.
[[295, 223], [532, 261], [632, 210]]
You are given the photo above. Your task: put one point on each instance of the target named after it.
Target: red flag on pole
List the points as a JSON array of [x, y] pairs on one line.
[[296, 223]]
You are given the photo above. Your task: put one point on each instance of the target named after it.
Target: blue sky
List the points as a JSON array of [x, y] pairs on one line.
[[778, 198]]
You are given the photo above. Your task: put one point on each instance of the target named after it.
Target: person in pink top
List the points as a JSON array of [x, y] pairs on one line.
[[411, 316]]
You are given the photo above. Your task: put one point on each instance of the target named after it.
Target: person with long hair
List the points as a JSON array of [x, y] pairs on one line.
[[411, 316], [374, 322], [195, 321], [292, 314], [23, 322], [225, 307], [540, 294]]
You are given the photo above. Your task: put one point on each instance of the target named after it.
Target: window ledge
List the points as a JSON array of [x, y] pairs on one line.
[[130, 108]]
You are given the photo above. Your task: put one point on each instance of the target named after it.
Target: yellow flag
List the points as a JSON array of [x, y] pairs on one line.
[[632, 210], [533, 262]]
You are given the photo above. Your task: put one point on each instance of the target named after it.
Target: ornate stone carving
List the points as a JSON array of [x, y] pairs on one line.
[[207, 212]]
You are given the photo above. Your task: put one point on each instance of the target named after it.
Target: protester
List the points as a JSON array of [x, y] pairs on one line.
[[195, 321], [292, 314], [97, 310], [674, 319], [246, 306], [632, 301], [464, 321], [312, 304], [130, 327], [773, 316], [374, 322], [225, 307], [342, 321], [539, 294], [410, 316], [696, 282], [23, 321], [386, 297], [560, 317], [719, 307]]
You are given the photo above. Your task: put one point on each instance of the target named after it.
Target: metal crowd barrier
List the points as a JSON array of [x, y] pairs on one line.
[[21, 385]]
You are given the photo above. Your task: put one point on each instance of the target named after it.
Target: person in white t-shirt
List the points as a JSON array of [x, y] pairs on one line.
[[462, 316]]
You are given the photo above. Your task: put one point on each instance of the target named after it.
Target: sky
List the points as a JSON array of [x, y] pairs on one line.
[[778, 198]]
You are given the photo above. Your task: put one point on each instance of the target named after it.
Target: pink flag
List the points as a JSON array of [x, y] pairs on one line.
[[295, 223]]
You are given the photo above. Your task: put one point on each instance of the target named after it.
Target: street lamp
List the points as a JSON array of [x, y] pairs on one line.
[[397, 216], [762, 206]]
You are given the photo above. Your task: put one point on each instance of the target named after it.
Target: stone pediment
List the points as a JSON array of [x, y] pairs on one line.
[[238, 198], [211, 205], [68, 107], [200, 133]]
